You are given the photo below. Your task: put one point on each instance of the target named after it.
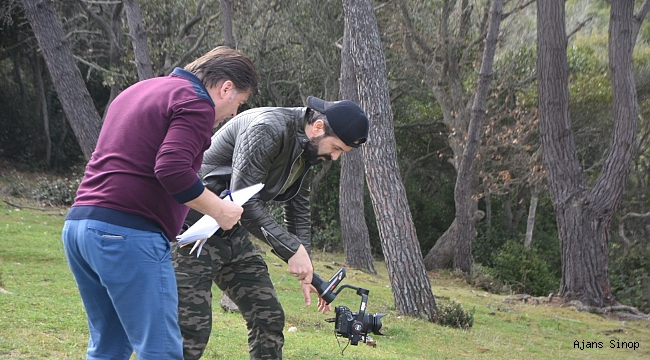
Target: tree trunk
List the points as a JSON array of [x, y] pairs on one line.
[[463, 192], [113, 31], [507, 212], [116, 52], [583, 215], [530, 224], [354, 230], [409, 280], [521, 210], [444, 62], [66, 77], [316, 180], [488, 209], [42, 102], [16, 61], [228, 37], [356, 239], [441, 255], [138, 39]]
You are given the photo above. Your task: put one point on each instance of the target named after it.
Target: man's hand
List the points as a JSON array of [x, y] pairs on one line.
[[225, 212], [307, 289], [300, 266], [228, 214]]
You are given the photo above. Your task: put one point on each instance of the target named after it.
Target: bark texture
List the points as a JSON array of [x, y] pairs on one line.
[[356, 239], [228, 37], [66, 77], [112, 29], [443, 56], [138, 39], [464, 190], [583, 214], [41, 102], [441, 255], [409, 280]]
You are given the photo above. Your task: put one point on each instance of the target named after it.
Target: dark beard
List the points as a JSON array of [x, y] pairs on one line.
[[311, 151]]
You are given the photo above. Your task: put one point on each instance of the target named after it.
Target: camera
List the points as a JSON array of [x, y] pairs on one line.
[[348, 324], [356, 326]]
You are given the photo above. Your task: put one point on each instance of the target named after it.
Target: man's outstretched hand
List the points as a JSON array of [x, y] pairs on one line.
[[300, 266], [307, 289]]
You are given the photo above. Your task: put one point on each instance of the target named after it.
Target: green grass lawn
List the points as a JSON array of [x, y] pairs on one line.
[[41, 315]]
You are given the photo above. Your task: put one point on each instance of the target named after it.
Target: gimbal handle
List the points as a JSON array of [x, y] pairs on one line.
[[326, 289]]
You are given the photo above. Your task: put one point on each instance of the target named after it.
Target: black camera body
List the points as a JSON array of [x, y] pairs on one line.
[[348, 324], [356, 326]]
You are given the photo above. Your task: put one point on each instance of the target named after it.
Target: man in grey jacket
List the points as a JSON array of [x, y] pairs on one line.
[[276, 147]]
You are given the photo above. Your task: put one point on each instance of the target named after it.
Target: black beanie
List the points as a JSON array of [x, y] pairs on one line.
[[346, 118]]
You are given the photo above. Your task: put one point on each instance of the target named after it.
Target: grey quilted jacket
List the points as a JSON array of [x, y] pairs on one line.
[[260, 146]]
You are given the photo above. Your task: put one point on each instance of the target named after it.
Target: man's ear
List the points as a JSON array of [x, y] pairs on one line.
[[225, 88], [319, 127]]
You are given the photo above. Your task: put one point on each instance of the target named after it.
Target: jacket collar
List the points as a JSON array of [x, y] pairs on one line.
[[302, 123], [197, 84]]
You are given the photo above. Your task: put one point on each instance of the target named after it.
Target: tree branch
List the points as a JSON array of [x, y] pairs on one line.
[[635, 215], [23, 207], [105, 2], [643, 11], [412, 125], [106, 27], [196, 45], [639, 16], [621, 228], [579, 26], [193, 21], [610, 309], [518, 8], [97, 67], [408, 171], [410, 30]]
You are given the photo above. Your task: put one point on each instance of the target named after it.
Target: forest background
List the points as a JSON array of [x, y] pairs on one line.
[[296, 47]]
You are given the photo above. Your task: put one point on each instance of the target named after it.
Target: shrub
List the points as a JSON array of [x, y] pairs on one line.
[[525, 270], [483, 278], [452, 314], [629, 277], [327, 238], [324, 236], [487, 241], [56, 192], [16, 186]]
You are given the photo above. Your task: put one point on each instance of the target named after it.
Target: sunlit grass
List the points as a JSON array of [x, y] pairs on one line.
[[42, 316]]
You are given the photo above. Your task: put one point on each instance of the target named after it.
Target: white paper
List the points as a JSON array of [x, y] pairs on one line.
[[207, 226]]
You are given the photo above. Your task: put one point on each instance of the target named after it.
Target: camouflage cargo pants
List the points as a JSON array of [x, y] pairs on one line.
[[239, 271]]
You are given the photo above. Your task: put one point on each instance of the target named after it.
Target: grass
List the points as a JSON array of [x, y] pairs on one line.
[[41, 316]]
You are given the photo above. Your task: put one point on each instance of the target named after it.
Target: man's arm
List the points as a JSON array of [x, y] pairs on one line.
[[255, 153], [297, 213], [226, 213]]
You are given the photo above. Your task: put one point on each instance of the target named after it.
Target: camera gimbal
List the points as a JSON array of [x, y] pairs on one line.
[[354, 326]]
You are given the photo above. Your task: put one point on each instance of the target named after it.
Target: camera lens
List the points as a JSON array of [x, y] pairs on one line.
[[373, 323]]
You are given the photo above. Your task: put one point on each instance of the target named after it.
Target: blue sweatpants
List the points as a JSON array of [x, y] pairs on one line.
[[128, 288]]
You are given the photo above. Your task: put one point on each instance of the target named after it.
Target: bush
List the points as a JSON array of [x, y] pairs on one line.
[[56, 192], [324, 236], [629, 276], [16, 186], [328, 238], [525, 270], [49, 191], [452, 314], [488, 240], [483, 278]]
